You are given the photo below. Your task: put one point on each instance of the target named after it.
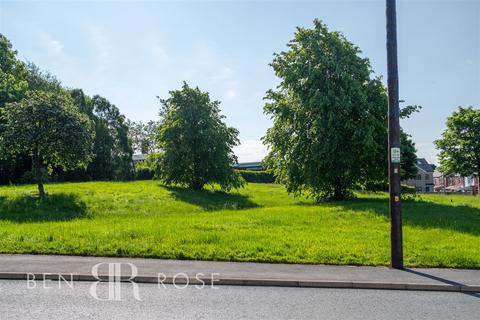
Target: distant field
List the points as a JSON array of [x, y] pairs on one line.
[[259, 223]]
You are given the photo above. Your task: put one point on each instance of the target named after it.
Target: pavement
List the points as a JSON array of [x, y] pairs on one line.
[[17, 301], [78, 268]]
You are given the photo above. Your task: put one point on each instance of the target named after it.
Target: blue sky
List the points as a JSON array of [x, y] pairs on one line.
[[132, 51]]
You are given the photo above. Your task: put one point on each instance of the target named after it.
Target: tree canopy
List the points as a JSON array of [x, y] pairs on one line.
[[143, 136], [329, 116], [13, 74], [112, 148], [50, 129], [195, 144]]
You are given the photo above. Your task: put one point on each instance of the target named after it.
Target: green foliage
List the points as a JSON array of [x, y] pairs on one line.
[[144, 173], [407, 111], [49, 128], [408, 157], [260, 222], [196, 145], [13, 87], [143, 136], [330, 117], [39, 80], [145, 170], [257, 176], [112, 148], [460, 143], [13, 74]]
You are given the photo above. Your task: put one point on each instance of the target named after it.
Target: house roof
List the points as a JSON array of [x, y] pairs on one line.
[[248, 165], [424, 165], [139, 157]]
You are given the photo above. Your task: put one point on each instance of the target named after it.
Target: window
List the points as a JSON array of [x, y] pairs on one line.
[[419, 177], [427, 177]]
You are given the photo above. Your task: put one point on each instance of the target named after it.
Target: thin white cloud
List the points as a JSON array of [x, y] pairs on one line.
[[53, 45]]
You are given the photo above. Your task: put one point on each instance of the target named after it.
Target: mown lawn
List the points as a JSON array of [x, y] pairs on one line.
[[259, 223]]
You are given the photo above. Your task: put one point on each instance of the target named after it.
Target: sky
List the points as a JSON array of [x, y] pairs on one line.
[[133, 51]]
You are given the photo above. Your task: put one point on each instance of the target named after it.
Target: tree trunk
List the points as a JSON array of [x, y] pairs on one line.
[[339, 192], [39, 175], [196, 185], [477, 183]]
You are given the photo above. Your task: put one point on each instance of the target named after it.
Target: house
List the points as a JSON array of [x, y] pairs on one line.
[[139, 157], [455, 183], [255, 166], [424, 181]]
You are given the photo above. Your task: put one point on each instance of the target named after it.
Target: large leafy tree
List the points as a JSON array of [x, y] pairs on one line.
[[329, 117], [13, 87], [460, 143], [195, 144], [112, 148], [49, 128], [13, 74]]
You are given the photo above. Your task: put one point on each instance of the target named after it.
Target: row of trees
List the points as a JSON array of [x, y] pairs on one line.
[[329, 132], [47, 130]]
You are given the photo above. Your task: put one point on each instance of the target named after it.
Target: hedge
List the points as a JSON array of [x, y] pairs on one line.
[[144, 174], [257, 176]]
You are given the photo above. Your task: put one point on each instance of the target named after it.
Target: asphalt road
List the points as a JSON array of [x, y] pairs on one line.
[[17, 301]]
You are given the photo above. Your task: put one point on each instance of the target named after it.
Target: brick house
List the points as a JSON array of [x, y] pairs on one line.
[[455, 183], [424, 181]]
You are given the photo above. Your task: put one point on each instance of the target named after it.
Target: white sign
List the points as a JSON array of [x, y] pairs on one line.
[[395, 155]]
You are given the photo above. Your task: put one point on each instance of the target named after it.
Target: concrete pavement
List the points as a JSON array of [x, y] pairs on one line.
[[240, 273]]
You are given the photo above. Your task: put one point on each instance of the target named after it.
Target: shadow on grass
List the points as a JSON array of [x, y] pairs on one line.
[[423, 214], [211, 200], [29, 208]]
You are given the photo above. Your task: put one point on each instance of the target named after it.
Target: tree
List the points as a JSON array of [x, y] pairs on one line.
[[143, 136], [13, 87], [460, 143], [112, 148], [195, 144], [39, 80], [408, 157], [329, 117], [50, 129], [13, 74]]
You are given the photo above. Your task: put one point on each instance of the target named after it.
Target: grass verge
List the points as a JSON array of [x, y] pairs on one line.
[[259, 223]]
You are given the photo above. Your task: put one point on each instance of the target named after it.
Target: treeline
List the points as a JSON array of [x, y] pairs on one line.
[[329, 133], [109, 150]]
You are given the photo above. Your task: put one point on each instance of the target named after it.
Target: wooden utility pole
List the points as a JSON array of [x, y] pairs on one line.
[[394, 139]]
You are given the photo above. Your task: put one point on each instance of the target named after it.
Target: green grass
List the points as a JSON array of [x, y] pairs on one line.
[[259, 223]]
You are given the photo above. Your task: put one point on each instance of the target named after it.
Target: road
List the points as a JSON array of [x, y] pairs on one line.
[[60, 301]]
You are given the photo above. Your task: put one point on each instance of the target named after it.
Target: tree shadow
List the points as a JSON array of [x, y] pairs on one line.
[[211, 200], [29, 208], [425, 214]]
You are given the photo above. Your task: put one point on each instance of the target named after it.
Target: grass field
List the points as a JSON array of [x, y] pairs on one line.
[[259, 223]]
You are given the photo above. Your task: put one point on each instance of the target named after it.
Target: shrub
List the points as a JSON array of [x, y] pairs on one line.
[[144, 173], [257, 176], [145, 170]]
